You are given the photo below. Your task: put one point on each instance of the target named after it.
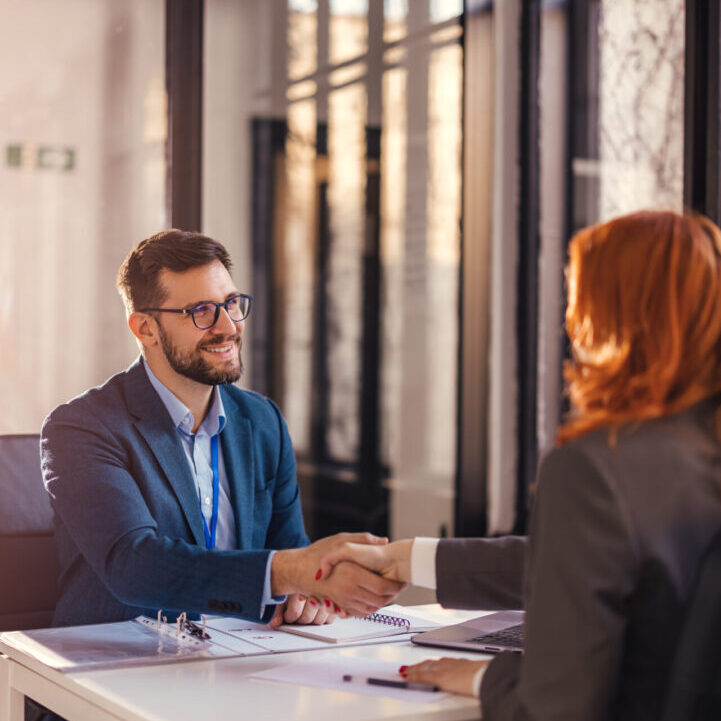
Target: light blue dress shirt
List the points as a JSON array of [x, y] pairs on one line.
[[197, 452]]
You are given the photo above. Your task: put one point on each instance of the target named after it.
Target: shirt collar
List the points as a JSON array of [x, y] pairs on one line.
[[182, 418]]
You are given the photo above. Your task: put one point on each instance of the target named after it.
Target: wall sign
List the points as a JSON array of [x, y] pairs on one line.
[[40, 157]]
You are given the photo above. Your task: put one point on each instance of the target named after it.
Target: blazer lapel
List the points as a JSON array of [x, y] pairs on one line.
[[156, 427], [237, 444]]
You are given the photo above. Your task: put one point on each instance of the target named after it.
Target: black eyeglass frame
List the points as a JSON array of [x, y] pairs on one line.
[[192, 311]]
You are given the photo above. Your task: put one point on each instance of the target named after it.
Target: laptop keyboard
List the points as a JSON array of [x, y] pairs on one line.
[[511, 636]]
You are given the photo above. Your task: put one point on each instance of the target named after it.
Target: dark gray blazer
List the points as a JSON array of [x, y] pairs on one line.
[[615, 538], [128, 525]]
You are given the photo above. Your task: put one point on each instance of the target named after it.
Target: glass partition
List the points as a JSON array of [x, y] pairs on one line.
[[626, 115], [627, 111]]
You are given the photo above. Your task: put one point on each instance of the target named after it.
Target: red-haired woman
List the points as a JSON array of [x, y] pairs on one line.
[[627, 502]]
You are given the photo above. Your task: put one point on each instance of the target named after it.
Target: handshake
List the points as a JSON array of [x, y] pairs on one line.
[[349, 574]]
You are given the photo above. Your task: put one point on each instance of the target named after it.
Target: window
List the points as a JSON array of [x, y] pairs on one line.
[[343, 162]]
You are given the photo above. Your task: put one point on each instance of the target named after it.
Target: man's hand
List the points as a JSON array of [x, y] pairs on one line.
[[352, 588], [392, 561], [302, 610]]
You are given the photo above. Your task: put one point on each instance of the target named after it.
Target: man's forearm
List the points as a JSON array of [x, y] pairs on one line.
[[151, 571], [284, 572]]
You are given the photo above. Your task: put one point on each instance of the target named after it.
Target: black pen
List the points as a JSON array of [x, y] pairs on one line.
[[392, 684]]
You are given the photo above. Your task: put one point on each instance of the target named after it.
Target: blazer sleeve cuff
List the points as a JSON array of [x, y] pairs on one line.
[[478, 680], [268, 599], [423, 562], [499, 681]]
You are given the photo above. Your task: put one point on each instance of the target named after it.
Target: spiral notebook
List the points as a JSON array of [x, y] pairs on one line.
[[387, 622]]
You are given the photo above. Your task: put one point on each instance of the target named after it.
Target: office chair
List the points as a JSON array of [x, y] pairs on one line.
[[694, 691], [28, 559]]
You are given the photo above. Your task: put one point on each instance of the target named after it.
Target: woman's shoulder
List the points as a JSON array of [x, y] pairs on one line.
[[693, 425], [676, 445], [579, 451], [574, 466]]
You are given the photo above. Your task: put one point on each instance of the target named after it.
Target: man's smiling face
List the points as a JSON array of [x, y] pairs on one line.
[[211, 356]]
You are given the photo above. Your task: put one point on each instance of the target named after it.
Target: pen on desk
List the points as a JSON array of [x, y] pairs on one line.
[[390, 683]]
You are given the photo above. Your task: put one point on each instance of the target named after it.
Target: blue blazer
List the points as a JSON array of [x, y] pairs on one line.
[[128, 525]]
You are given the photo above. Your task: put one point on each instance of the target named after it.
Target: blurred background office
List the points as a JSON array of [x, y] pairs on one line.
[[395, 180]]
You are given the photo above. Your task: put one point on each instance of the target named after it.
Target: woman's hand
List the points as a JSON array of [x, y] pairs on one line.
[[449, 674], [299, 609], [390, 560]]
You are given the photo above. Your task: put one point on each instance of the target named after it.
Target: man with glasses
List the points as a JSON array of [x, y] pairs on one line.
[[174, 489]]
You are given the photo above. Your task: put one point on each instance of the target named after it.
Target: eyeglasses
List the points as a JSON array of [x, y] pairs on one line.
[[205, 315]]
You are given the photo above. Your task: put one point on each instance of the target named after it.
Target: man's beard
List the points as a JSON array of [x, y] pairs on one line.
[[192, 364]]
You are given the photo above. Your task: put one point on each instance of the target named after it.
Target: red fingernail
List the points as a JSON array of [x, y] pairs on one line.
[[338, 609], [327, 603], [312, 602], [404, 674], [301, 598], [318, 575], [402, 669]]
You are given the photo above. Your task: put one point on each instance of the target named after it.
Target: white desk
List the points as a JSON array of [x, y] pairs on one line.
[[216, 689]]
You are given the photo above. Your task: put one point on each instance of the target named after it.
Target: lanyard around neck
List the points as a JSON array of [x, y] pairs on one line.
[[210, 534]]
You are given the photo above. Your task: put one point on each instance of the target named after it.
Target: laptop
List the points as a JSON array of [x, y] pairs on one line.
[[492, 633]]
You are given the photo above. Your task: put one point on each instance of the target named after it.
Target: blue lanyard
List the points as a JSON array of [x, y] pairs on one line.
[[210, 534]]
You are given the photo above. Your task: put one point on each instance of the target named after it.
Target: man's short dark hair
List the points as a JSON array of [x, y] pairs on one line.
[[173, 250]]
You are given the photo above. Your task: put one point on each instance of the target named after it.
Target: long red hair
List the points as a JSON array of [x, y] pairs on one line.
[[643, 319]]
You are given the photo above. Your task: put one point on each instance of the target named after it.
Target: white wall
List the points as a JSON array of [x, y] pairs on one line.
[[89, 77]]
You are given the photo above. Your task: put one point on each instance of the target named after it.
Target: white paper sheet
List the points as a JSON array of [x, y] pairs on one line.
[[329, 674]]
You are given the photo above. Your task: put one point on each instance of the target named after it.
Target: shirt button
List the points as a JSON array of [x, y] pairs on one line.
[[186, 421], [207, 501]]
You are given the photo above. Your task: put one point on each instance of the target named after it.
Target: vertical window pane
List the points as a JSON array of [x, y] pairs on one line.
[[626, 63], [393, 203], [82, 177], [348, 29], [346, 207], [630, 153], [420, 221], [395, 13], [445, 82], [442, 10], [553, 155], [295, 255], [302, 37], [641, 53]]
